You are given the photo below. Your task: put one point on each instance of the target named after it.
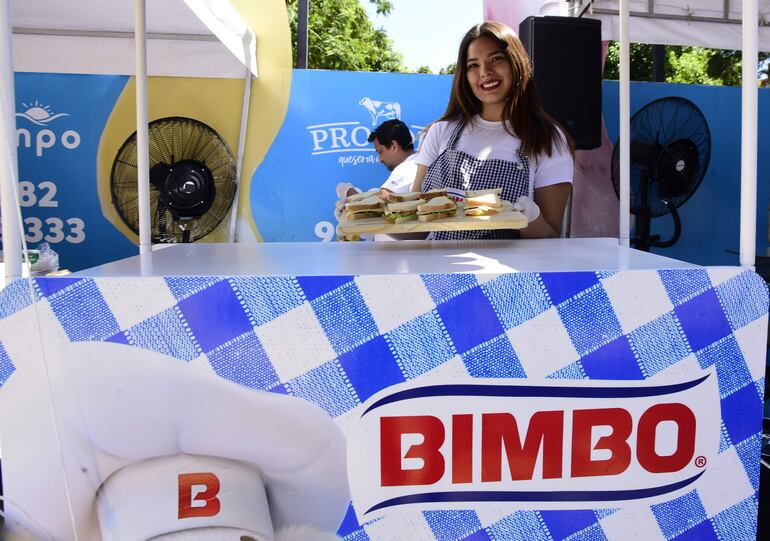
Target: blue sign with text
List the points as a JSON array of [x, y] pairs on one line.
[[59, 123], [323, 142]]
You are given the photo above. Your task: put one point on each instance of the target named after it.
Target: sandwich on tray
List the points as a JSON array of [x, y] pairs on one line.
[[486, 204], [363, 195], [436, 209], [433, 193], [402, 211], [399, 197], [474, 193], [370, 207]]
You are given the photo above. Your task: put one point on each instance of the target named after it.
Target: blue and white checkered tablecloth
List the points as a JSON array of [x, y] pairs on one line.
[[337, 340]]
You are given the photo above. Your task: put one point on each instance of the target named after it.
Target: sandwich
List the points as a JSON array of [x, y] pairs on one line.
[[487, 204], [433, 193], [399, 197], [436, 209], [475, 193], [371, 207], [402, 211], [363, 195]]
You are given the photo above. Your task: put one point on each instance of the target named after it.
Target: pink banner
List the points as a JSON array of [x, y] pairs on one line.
[[510, 13]]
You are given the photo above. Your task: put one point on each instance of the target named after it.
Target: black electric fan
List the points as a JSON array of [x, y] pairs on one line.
[[670, 150], [192, 180]]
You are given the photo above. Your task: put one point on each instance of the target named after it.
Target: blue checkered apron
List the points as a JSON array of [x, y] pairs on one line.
[[459, 170]]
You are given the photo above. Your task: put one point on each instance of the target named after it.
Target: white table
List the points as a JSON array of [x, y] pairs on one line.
[[402, 257]]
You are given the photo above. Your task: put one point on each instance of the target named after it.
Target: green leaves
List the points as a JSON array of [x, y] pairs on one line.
[[341, 37], [688, 65], [449, 70]]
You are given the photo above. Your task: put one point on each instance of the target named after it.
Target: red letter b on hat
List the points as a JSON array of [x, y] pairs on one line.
[[206, 502]]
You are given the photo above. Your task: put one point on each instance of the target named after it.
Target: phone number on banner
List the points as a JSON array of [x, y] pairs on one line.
[[53, 229]]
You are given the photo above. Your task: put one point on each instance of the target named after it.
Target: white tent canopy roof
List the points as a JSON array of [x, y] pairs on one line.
[[704, 23], [185, 37]]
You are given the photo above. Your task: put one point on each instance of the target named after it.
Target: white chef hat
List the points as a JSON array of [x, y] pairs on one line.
[[154, 446], [158, 496]]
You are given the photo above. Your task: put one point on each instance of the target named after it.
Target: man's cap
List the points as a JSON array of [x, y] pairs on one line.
[[392, 130], [144, 435]]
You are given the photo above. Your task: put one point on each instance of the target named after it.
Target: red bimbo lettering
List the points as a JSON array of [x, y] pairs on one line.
[[207, 503]]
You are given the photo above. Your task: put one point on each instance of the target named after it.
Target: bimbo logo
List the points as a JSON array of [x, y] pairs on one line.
[[352, 136], [587, 444], [201, 503], [41, 115]]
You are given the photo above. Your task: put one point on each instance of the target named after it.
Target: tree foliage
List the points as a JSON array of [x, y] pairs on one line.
[[341, 37], [690, 65], [449, 70]]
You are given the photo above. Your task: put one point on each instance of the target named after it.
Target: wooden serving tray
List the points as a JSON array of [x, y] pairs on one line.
[[507, 219]]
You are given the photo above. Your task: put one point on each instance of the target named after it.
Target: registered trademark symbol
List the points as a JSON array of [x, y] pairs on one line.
[[700, 461]]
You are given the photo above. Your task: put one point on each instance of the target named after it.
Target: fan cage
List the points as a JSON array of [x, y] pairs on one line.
[[664, 122], [172, 140]]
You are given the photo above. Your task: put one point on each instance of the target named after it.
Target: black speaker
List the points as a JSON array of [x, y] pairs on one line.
[[566, 56]]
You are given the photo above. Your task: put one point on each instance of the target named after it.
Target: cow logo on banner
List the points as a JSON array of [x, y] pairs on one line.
[[381, 110], [586, 445]]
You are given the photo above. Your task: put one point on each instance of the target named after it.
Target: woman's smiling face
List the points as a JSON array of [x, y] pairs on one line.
[[489, 76]]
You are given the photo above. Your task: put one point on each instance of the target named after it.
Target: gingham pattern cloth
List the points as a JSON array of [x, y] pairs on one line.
[[457, 169], [337, 340]]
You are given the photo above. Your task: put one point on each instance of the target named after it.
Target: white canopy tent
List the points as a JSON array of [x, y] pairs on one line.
[[202, 38], [185, 38], [703, 23], [721, 24]]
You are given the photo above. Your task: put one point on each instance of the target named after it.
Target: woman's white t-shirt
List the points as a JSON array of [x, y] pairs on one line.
[[486, 140]]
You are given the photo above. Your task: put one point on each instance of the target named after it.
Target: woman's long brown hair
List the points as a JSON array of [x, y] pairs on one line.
[[523, 110]]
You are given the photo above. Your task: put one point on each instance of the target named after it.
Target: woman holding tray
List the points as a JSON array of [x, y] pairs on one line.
[[495, 134]]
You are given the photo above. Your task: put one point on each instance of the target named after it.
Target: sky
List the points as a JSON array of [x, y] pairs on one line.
[[416, 32]]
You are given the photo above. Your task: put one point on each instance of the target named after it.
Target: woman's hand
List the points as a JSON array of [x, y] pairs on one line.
[[550, 202], [527, 207]]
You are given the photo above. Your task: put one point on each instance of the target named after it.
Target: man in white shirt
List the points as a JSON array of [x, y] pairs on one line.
[[395, 148]]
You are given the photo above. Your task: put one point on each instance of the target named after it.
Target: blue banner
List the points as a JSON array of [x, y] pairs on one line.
[[61, 120], [59, 123], [323, 142]]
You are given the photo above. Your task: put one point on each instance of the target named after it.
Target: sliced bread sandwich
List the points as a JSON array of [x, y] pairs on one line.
[[406, 196], [403, 211], [433, 193], [476, 193], [436, 209], [487, 204], [370, 207]]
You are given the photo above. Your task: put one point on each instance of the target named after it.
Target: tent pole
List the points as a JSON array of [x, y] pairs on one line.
[[748, 245], [625, 128], [8, 164], [142, 135], [239, 159]]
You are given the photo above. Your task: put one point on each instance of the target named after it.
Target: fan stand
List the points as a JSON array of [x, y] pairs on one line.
[[185, 231], [643, 240]]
